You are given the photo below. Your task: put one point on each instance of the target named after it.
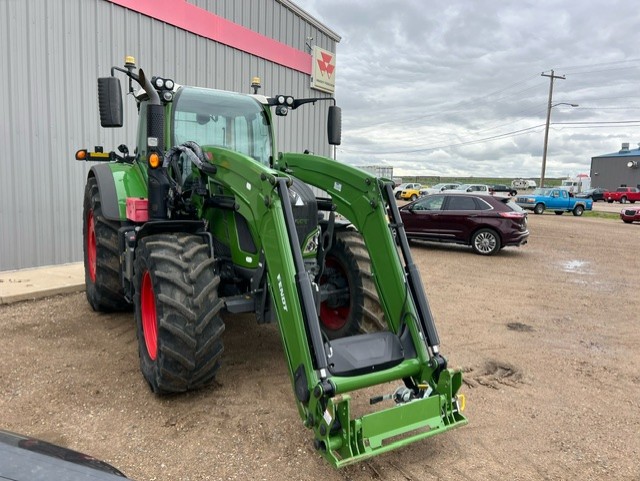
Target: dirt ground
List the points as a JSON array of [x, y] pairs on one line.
[[548, 336]]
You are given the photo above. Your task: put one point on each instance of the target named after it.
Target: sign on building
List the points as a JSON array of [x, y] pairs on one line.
[[323, 73]]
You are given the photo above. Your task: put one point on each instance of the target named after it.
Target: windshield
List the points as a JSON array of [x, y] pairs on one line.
[[462, 187], [222, 119], [541, 192], [515, 207]]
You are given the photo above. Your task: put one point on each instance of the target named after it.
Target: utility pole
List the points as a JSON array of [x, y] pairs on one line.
[[552, 77]]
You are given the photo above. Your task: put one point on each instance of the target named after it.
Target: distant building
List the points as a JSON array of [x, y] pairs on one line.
[[617, 169]]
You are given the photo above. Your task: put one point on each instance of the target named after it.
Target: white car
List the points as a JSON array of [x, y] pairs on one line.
[[437, 188], [398, 190], [471, 188]]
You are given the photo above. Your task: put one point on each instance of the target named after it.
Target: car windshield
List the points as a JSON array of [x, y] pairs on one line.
[[439, 186], [541, 192], [462, 187]]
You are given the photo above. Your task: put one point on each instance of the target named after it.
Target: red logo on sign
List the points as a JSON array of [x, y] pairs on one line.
[[325, 64]]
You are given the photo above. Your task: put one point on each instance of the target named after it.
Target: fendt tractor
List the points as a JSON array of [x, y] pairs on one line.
[[206, 216]]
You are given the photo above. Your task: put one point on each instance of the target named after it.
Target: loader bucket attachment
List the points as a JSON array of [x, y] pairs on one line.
[[389, 429]]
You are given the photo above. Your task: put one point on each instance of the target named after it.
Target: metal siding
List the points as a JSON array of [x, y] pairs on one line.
[[50, 67], [613, 172]]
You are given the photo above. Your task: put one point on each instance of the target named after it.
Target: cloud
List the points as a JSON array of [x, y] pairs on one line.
[[456, 86]]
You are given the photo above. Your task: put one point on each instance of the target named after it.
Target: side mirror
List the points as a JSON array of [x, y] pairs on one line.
[[334, 125], [110, 101]]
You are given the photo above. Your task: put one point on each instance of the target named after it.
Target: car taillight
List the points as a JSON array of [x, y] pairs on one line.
[[512, 215]]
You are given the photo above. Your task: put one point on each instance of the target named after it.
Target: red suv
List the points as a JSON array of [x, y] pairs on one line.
[[484, 222]]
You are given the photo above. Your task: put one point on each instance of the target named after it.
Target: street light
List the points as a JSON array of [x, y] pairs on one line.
[[546, 136]]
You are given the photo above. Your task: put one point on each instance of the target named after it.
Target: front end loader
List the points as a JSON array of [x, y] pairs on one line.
[[206, 216]]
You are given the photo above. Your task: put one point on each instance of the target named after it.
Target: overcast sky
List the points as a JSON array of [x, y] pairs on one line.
[[455, 88]]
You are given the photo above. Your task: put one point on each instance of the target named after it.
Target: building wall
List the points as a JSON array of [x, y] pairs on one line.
[[612, 171], [52, 54]]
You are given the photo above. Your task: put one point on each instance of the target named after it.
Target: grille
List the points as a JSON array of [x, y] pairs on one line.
[[629, 212]]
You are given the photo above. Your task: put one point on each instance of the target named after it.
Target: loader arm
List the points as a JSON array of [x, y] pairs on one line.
[[322, 397]]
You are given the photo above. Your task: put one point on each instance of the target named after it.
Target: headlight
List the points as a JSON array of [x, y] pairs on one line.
[[311, 245]]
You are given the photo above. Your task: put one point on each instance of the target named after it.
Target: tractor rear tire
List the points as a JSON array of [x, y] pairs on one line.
[[358, 310], [177, 312], [101, 260]]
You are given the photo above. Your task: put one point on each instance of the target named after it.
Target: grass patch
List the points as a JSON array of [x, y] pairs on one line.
[[602, 215]]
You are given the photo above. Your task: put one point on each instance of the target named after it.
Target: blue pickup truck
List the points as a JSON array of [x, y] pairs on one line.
[[557, 200]]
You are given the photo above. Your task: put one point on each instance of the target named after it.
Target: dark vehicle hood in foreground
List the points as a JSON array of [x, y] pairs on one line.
[[28, 459]]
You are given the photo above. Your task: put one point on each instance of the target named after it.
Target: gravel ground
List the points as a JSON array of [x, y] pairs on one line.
[[547, 335]]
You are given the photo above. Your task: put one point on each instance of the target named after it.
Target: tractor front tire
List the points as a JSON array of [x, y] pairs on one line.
[[177, 310], [101, 260], [355, 309]]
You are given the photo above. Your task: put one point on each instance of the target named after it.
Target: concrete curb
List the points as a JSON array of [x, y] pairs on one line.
[[39, 282]]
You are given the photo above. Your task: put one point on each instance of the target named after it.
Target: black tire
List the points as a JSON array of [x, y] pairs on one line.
[[177, 312], [623, 200], [559, 212], [632, 202], [627, 221], [414, 197], [485, 242], [538, 209], [578, 210], [354, 307], [513, 193], [397, 195], [103, 287], [610, 201]]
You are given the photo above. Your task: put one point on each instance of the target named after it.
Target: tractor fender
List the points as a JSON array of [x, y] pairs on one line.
[[116, 182]]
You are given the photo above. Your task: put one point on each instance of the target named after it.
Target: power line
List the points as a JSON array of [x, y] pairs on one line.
[[459, 144]]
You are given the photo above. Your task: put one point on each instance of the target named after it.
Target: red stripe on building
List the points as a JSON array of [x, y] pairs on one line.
[[191, 18]]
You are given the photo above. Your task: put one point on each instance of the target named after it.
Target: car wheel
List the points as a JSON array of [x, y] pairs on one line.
[[485, 242], [632, 202], [623, 200], [513, 193], [610, 201], [538, 209], [627, 221], [559, 212], [578, 210], [413, 197]]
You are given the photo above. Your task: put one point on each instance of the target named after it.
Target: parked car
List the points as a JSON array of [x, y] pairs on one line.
[[30, 459], [484, 222], [594, 194], [630, 214], [437, 188], [470, 188], [502, 188], [557, 200], [622, 195], [410, 185], [410, 194]]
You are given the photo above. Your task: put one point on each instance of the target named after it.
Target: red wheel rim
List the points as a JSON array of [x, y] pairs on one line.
[[149, 319], [331, 317], [91, 246]]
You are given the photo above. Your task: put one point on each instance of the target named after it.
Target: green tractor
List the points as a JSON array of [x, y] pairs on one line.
[[205, 216]]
